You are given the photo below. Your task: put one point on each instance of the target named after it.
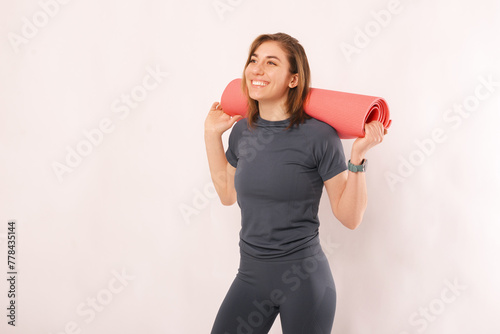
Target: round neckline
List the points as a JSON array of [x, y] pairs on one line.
[[280, 123]]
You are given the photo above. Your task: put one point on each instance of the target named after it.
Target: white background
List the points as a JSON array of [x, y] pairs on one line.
[[141, 201]]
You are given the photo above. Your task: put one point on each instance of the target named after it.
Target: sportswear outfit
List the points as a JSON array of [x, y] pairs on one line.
[[283, 269]]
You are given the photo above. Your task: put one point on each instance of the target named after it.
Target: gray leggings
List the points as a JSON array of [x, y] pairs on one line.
[[302, 291]]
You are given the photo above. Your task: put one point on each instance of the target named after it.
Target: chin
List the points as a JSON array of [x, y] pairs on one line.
[[254, 96]]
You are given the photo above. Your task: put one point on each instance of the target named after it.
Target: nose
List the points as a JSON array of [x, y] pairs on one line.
[[257, 68]]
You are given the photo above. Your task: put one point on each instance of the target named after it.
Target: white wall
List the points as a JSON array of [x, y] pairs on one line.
[[118, 212]]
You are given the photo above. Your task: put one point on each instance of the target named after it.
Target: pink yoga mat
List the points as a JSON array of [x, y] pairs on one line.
[[346, 112]]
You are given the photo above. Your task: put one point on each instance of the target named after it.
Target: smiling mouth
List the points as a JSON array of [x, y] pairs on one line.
[[259, 83]]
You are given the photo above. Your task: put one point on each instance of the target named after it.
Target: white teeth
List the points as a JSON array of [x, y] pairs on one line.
[[259, 83]]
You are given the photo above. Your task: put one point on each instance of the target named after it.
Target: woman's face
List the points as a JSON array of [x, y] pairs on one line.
[[267, 75]]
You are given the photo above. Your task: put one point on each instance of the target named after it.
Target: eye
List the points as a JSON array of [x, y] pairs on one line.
[[272, 63], [253, 60]]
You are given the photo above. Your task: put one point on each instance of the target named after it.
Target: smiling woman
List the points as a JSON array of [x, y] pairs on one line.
[[276, 74], [278, 183]]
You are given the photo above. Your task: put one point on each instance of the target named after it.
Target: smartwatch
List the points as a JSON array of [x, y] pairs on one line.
[[357, 168]]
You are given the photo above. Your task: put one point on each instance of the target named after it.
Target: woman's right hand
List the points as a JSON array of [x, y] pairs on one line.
[[218, 121]]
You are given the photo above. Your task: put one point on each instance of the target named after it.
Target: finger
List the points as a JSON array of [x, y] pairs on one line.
[[215, 105], [378, 127], [236, 118], [385, 131], [375, 131], [371, 128]]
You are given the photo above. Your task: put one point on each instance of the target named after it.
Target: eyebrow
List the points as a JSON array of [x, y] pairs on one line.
[[268, 57]]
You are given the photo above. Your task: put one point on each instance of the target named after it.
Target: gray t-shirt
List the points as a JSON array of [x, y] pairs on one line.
[[279, 181]]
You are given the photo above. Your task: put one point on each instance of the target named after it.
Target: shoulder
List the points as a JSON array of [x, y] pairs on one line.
[[239, 126], [319, 129]]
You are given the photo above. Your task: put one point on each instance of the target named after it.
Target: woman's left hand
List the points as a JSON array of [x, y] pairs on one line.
[[374, 134]]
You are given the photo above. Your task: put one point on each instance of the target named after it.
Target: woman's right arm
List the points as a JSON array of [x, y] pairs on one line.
[[221, 171]]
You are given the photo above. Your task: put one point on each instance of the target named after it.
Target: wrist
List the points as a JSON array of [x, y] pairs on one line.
[[357, 167], [212, 134], [357, 159], [357, 154]]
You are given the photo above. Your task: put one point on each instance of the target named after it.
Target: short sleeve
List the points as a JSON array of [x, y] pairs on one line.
[[231, 152], [330, 154]]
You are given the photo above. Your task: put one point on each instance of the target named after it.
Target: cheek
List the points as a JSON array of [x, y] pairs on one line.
[[248, 69], [281, 81], [281, 76]]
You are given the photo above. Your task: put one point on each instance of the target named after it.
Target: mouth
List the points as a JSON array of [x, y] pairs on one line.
[[259, 83]]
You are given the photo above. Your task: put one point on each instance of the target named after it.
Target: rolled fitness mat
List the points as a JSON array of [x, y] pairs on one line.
[[346, 112]]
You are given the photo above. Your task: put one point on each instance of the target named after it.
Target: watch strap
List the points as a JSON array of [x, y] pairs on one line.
[[357, 168]]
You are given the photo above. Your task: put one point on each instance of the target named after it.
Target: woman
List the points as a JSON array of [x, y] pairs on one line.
[[276, 165]]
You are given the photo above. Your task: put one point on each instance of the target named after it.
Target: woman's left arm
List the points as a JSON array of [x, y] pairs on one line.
[[347, 190]]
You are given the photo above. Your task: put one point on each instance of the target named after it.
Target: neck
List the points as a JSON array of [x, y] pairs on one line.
[[273, 111]]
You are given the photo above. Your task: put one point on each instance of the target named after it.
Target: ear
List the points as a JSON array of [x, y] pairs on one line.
[[294, 81]]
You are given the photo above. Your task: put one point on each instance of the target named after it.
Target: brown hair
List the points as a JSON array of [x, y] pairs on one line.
[[298, 64]]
